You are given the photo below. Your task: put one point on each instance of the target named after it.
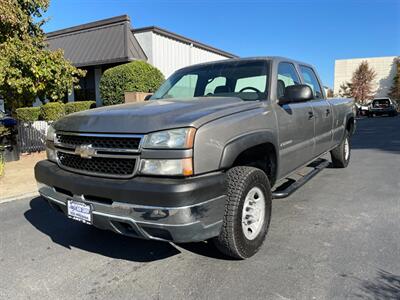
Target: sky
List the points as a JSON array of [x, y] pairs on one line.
[[313, 31]]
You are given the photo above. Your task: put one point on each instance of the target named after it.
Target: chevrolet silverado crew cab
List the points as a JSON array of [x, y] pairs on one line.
[[201, 159]]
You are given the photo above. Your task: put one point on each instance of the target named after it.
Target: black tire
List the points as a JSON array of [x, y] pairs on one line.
[[232, 240], [338, 155]]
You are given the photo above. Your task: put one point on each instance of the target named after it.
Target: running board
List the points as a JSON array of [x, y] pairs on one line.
[[290, 186]]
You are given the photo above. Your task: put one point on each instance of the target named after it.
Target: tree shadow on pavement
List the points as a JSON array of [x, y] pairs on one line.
[[69, 233], [381, 133], [385, 286]]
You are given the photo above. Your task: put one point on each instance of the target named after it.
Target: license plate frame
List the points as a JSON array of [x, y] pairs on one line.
[[80, 211]]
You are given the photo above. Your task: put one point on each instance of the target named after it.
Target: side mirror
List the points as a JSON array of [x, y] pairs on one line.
[[148, 97], [297, 93]]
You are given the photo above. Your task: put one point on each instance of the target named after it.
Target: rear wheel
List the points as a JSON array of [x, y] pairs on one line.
[[247, 212], [341, 154]]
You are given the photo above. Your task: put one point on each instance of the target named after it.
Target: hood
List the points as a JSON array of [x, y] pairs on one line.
[[153, 115]]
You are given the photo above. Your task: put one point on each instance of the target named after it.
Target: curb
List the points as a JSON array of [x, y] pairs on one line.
[[19, 197]]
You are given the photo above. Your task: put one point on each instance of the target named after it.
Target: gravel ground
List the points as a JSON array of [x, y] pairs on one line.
[[336, 238]]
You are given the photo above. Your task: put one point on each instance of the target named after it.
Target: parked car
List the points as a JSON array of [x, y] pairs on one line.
[[382, 106], [6, 120], [200, 160], [8, 137], [362, 110]]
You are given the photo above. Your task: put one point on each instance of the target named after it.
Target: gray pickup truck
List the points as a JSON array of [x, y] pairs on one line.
[[202, 158]]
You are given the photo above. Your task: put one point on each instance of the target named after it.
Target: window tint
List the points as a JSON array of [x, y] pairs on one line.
[[213, 83], [311, 79], [287, 76], [184, 87]]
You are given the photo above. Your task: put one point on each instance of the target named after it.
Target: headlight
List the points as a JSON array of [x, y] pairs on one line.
[[167, 167], [181, 138], [50, 150], [51, 154], [51, 133]]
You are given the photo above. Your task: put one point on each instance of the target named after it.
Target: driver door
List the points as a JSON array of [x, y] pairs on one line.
[[295, 124]]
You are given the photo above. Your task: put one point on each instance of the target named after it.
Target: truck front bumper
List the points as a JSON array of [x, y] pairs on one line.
[[167, 209]]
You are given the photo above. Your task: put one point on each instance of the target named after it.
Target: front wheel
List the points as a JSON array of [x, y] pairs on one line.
[[247, 213], [341, 154]]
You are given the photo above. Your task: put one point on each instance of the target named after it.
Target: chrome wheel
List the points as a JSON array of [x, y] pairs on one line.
[[253, 213], [346, 149]]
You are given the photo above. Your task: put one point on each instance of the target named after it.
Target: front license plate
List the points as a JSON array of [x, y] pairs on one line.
[[79, 211]]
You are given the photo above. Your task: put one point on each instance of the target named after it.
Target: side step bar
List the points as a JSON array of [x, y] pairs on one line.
[[290, 186]]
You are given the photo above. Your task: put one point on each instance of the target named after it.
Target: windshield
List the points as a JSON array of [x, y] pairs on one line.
[[244, 79], [381, 103]]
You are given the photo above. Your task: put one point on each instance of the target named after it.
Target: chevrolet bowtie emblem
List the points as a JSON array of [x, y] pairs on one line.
[[85, 151]]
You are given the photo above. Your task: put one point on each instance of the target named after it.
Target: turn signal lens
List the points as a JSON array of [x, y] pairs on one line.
[[167, 167]]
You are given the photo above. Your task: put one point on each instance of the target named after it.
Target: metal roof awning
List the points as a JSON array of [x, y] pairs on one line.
[[103, 42]]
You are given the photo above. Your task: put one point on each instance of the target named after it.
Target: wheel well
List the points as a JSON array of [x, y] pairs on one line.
[[262, 156], [350, 125]]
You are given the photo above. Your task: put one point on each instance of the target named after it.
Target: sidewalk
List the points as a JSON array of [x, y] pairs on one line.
[[19, 180]]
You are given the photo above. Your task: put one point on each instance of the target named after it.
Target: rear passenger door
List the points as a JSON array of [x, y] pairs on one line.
[[322, 112], [295, 122]]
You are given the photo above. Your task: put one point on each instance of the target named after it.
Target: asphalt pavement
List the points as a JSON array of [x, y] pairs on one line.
[[338, 237]]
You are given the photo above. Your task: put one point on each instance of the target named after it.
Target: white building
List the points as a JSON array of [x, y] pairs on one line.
[[384, 67], [99, 45], [169, 51]]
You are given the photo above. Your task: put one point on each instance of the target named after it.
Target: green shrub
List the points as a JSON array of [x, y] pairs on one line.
[[4, 131], [28, 114], [137, 76], [52, 111], [72, 107]]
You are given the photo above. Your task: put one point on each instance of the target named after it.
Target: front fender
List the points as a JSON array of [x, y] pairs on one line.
[[244, 142]]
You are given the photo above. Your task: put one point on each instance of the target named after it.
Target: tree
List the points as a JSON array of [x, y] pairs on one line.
[[329, 93], [345, 90], [360, 86], [27, 68], [394, 92], [361, 83]]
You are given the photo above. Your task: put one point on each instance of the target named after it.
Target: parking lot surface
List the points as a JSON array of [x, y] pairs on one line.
[[338, 237]]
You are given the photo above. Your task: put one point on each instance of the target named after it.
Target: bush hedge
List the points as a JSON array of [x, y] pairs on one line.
[[52, 111], [72, 107], [137, 76], [28, 114]]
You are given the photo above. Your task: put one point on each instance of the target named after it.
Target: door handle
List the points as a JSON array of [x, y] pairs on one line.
[[310, 115]]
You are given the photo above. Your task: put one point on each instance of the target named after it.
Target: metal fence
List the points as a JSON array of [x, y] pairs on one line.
[[32, 136]]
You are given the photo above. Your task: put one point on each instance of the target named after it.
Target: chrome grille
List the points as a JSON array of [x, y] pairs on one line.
[[107, 155]]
